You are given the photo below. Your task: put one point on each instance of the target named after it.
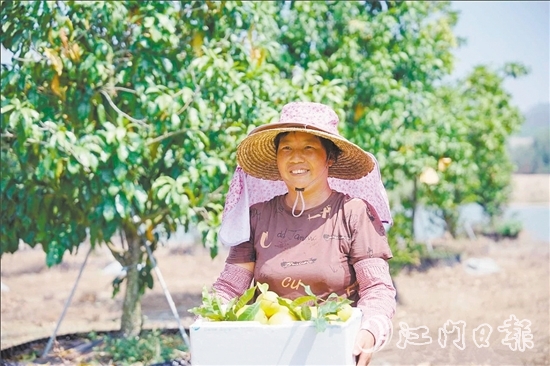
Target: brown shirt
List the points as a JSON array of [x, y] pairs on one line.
[[317, 249]]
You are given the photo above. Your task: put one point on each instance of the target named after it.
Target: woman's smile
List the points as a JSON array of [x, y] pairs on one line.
[[299, 171], [302, 162]]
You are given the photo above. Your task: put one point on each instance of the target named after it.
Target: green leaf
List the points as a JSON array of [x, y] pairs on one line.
[[250, 313], [299, 301], [121, 205], [245, 298], [54, 253], [140, 198], [163, 191], [167, 64], [175, 119], [6, 109], [305, 312], [113, 190], [101, 113], [108, 211], [307, 289]]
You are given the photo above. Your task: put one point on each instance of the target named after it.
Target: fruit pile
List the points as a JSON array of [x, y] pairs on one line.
[[272, 309]]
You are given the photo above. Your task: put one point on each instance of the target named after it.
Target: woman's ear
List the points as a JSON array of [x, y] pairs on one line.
[[330, 159]]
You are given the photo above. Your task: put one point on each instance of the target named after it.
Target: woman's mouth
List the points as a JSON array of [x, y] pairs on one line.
[[298, 171]]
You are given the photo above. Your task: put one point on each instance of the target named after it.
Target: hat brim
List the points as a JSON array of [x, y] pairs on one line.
[[257, 156]]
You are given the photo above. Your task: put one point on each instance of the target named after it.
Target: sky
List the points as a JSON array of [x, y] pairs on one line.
[[507, 31]]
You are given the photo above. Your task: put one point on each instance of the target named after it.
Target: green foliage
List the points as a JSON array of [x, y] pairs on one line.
[[503, 228], [509, 228], [213, 309], [123, 117], [530, 149], [151, 347]]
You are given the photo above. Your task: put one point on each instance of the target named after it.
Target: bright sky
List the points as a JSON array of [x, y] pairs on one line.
[[508, 31]]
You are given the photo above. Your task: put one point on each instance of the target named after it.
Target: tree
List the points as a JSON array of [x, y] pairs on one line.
[[479, 169], [393, 58], [122, 118]]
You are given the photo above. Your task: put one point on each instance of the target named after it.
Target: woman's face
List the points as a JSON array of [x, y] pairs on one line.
[[302, 159]]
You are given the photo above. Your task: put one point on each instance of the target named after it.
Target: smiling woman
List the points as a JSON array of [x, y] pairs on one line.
[[303, 162], [314, 234]]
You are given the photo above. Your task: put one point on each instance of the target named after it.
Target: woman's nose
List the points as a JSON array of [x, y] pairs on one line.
[[296, 156]]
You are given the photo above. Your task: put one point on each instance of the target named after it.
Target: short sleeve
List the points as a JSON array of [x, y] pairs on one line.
[[242, 253], [370, 240], [245, 252]]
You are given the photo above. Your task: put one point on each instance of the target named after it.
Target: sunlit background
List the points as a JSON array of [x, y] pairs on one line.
[[494, 32]]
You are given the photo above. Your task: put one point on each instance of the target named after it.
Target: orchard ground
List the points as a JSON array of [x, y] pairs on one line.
[[493, 283]]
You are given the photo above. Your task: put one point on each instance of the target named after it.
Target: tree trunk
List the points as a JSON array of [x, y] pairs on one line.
[[451, 218], [131, 309]]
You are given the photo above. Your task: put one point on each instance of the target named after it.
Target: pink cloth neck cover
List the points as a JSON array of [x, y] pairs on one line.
[[245, 191]]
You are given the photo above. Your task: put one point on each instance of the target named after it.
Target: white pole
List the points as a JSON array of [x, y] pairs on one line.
[[67, 303], [168, 297]]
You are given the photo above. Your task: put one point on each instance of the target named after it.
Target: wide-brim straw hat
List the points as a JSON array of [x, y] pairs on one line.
[[257, 156]]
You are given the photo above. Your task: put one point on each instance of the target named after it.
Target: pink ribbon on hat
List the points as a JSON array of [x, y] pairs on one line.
[[246, 190]]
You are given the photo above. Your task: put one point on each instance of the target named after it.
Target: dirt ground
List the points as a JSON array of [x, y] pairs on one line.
[[492, 283]]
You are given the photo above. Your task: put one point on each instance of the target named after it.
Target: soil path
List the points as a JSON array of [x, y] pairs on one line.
[[430, 298]]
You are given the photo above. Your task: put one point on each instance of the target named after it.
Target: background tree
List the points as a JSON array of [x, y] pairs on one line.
[[121, 119], [530, 148], [394, 59], [478, 169]]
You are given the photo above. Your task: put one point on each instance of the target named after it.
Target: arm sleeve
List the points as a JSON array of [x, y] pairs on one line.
[[232, 282], [376, 297], [242, 253], [369, 235]]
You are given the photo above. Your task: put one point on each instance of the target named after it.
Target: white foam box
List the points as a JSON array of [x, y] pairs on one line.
[[252, 343]]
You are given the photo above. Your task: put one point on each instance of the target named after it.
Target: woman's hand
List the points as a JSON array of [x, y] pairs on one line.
[[364, 342]]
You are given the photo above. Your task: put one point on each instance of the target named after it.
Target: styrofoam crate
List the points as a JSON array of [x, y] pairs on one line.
[[252, 343]]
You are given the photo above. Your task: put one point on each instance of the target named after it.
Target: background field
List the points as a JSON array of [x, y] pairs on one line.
[[520, 287]]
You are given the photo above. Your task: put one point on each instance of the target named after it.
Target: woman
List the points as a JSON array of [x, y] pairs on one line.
[[314, 228]]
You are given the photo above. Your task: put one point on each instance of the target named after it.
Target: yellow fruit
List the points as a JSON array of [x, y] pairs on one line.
[[332, 318], [345, 312], [281, 317], [313, 310], [269, 303], [284, 309], [259, 317]]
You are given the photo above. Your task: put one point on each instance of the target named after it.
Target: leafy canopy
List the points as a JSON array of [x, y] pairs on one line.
[[124, 116]]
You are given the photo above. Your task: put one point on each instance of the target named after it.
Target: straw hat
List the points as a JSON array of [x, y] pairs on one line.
[[257, 156]]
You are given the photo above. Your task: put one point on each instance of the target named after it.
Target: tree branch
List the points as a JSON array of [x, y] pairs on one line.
[[174, 133], [188, 103], [124, 89], [119, 254], [140, 122], [154, 215], [165, 136]]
